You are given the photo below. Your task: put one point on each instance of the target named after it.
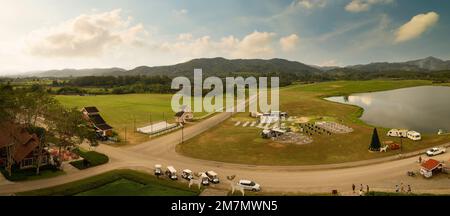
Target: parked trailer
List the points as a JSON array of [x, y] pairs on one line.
[[397, 133]]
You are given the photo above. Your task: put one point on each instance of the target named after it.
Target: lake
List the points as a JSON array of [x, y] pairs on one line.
[[425, 109]]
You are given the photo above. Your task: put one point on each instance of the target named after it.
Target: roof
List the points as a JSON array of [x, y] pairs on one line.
[[103, 126], [25, 143], [430, 164], [97, 119], [179, 114], [91, 109]]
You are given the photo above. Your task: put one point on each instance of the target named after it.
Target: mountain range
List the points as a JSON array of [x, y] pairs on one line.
[[221, 67]]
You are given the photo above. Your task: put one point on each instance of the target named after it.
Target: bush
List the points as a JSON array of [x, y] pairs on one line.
[[30, 173], [90, 159]]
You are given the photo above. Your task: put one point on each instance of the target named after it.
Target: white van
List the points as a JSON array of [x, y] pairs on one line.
[[397, 133], [414, 135], [171, 172]]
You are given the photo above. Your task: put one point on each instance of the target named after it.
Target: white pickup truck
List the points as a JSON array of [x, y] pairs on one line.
[[436, 151]]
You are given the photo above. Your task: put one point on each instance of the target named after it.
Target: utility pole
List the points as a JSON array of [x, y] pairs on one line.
[[182, 134], [125, 134]]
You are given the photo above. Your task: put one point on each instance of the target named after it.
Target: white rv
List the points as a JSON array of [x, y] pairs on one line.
[[397, 133], [414, 135]]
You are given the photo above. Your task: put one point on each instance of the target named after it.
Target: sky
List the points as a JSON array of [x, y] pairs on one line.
[[58, 34]]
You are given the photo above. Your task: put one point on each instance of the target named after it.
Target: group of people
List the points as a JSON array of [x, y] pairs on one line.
[[398, 189], [361, 189], [401, 188]]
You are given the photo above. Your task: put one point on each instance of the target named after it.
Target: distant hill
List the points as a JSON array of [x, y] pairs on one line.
[[428, 64], [75, 72], [223, 67]]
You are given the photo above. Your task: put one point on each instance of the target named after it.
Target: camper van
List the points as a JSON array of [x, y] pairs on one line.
[[414, 135], [171, 173], [397, 133]]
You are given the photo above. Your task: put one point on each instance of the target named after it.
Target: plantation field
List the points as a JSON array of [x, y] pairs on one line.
[[229, 143]]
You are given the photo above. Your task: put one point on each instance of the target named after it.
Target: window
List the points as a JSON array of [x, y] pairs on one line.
[[27, 162]]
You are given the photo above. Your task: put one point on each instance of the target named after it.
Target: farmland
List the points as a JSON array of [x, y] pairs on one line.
[[233, 144], [125, 112]]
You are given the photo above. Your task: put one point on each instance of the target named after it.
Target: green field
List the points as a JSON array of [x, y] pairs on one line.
[[244, 145], [118, 183], [125, 112]]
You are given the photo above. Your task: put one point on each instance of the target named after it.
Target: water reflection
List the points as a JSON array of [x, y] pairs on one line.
[[425, 109]]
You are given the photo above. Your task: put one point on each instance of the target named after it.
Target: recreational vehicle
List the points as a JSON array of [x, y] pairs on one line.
[[397, 133], [414, 135], [171, 172]]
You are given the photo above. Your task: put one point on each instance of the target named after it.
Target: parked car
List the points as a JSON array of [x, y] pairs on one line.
[[204, 178], [436, 151], [212, 177], [249, 185], [187, 174], [158, 170], [171, 172]]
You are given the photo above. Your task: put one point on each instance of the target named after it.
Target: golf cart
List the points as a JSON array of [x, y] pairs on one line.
[[158, 170], [171, 172], [204, 178], [187, 174], [212, 177]]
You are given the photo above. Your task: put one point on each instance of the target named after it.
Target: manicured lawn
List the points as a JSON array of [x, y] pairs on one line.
[[243, 144], [30, 174], [119, 183], [91, 159], [124, 112]]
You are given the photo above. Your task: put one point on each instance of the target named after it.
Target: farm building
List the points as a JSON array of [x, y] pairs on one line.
[[18, 146], [430, 167], [92, 114]]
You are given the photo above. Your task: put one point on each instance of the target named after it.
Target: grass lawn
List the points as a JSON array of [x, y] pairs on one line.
[[122, 111], [244, 145], [119, 183], [90, 159], [30, 174]]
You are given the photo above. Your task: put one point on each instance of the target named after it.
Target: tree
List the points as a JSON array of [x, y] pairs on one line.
[[70, 128], [375, 145]]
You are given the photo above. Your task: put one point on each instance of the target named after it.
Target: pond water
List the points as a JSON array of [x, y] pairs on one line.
[[425, 109]]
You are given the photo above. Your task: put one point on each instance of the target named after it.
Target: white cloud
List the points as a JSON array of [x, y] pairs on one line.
[[416, 26], [85, 36], [253, 45], [356, 6], [309, 4], [180, 12], [289, 43]]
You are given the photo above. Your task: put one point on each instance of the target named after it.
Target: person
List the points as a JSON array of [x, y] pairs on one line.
[[367, 188], [353, 188], [409, 188], [402, 188], [397, 188], [361, 188], [420, 159]]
